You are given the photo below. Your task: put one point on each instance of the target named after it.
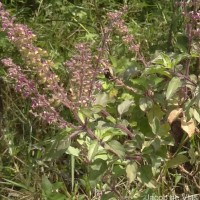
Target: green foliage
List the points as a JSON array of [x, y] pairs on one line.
[[139, 137]]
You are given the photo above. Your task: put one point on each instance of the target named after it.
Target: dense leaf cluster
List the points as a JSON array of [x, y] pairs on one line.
[[104, 103]]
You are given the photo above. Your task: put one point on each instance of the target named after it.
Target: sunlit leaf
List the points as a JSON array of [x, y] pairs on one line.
[[174, 114], [111, 119], [196, 115], [93, 149], [131, 171], [124, 106], [145, 103], [173, 86], [73, 151], [155, 125], [188, 127], [81, 116], [166, 60], [102, 99]]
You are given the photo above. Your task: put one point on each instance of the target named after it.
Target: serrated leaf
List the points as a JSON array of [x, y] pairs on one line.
[[188, 127], [116, 148], [131, 171], [174, 114], [124, 106], [93, 150], [178, 160], [173, 86]]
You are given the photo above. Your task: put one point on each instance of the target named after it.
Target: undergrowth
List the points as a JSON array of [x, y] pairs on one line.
[[99, 99]]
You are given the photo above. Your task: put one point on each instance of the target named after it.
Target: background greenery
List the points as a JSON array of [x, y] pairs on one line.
[[37, 159]]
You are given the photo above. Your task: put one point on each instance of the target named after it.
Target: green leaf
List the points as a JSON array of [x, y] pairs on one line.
[[102, 99], [154, 116], [96, 171], [46, 185], [86, 112], [110, 133], [196, 115], [132, 72], [182, 42], [124, 106], [108, 195], [111, 119], [73, 151], [177, 178], [145, 103], [163, 59], [178, 58], [146, 173], [192, 155], [155, 112], [102, 156], [57, 147], [142, 81], [178, 160], [93, 149], [164, 129], [13, 183], [90, 36], [147, 148], [64, 143], [166, 61], [131, 171], [173, 86], [157, 70], [118, 170], [155, 125], [81, 116], [116, 148], [57, 196]]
